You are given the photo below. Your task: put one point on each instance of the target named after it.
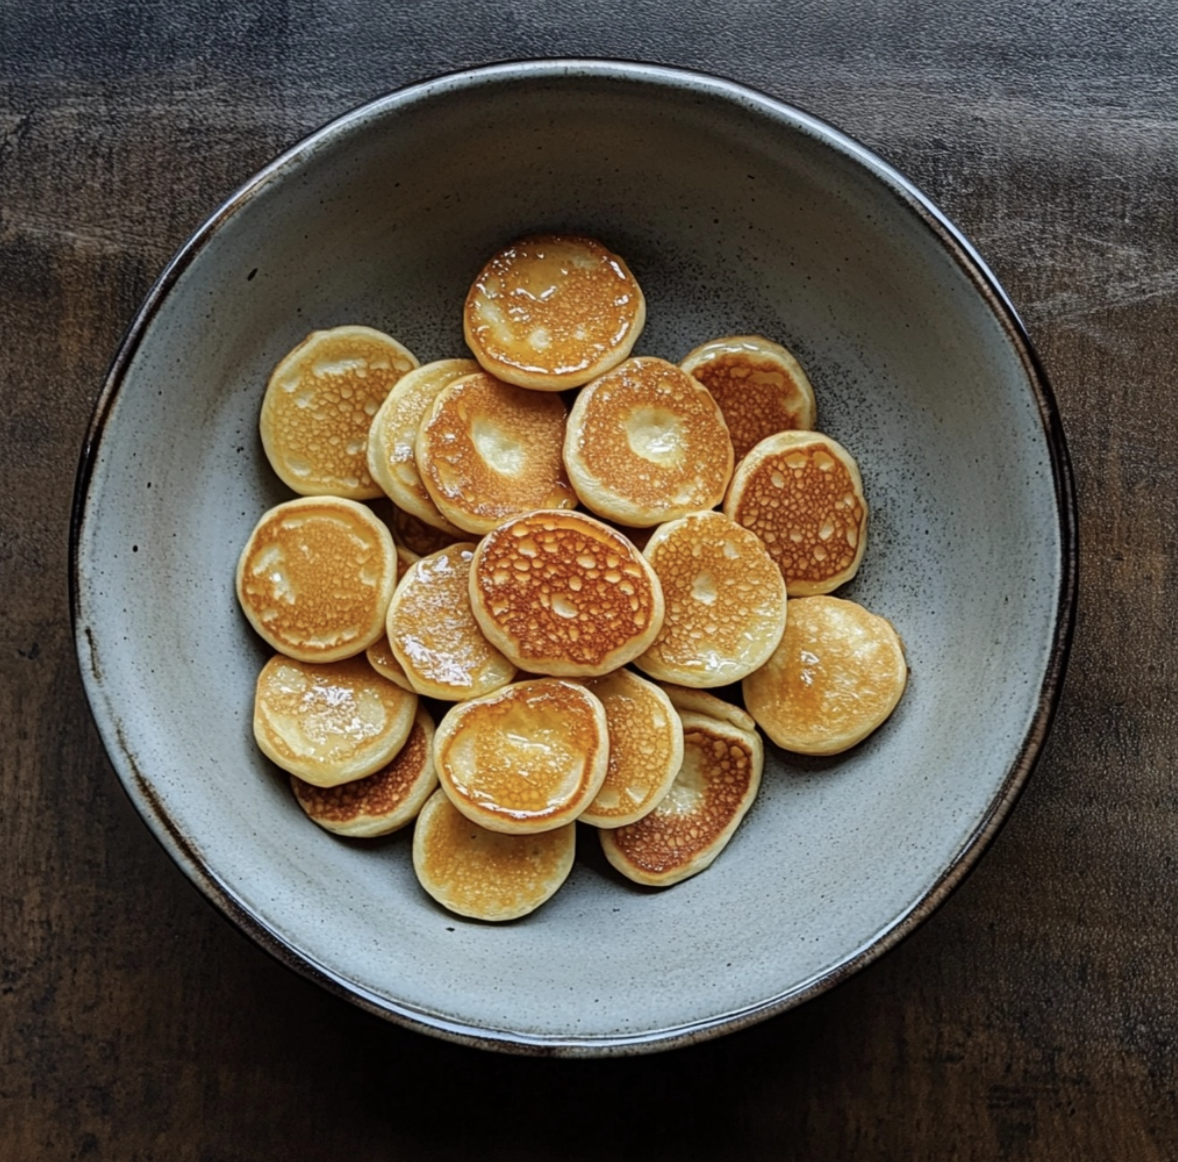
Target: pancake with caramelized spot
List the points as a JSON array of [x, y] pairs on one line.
[[392, 439], [836, 676], [330, 723], [483, 874], [725, 601], [319, 405], [760, 387], [801, 493], [433, 633], [527, 758], [693, 823], [488, 450], [645, 748], [553, 311], [646, 443], [316, 576], [379, 803], [561, 593], [691, 701]]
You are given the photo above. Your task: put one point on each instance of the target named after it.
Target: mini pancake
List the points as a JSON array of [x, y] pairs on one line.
[[488, 450], [801, 493], [433, 633], [392, 439], [382, 802], [382, 659], [552, 312], [316, 576], [414, 534], [725, 602], [760, 387], [319, 405], [483, 874], [693, 823], [530, 757], [561, 593], [836, 676], [691, 701], [330, 723], [645, 748], [646, 443]]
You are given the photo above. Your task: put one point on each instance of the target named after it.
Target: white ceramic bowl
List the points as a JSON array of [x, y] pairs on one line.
[[737, 214]]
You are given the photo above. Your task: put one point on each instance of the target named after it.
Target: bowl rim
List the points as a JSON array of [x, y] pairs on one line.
[[137, 785]]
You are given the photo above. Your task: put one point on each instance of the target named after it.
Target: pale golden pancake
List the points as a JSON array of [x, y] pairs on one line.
[[382, 659], [552, 312], [434, 635], [414, 534], [837, 675], [392, 439], [801, 493], [319, 406], [316, 576], [485, 874], [382, 802], [691, 701], [561, 593], [760, 387], [646, 443], [529, 757], [725, 601], [693, 823], [489, 450], [330, 723], [645, 748]]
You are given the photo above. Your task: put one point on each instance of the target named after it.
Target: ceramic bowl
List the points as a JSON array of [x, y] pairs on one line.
[[738, 214]]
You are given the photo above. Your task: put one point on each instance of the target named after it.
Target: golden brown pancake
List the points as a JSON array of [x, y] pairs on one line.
[[488, 450], [330, 723], [382, 659], [418, 537], [725, 602], [382, 802], [529, 757], [801, 493], [434, 635], [392, 439], [316, 576], [645, 748], [319, 406], [693, 823], [552, 312], [836, 676], [562, 593], [760, 387], [485, 874], [690, 701], [646, 443]]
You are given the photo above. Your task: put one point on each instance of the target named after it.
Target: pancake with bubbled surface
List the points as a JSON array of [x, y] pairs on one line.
[[562, 593], [697, 817], [319, 405], [483, 874], [725, 601], [392, 439], [414, 534], [529, 757], [801, 493], [380, 803], [760, 387], [330, 723], [645, 748], [646, 443], [488, 450], [836, 676], [433, 633], [316, 576], [553, 311]]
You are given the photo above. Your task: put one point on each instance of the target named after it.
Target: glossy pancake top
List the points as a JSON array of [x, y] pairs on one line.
[[553, 311]]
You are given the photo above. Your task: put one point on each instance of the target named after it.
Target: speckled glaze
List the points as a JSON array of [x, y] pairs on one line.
[[738, 215]]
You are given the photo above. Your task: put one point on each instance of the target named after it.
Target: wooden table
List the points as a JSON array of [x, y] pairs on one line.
[[1034, 1016]]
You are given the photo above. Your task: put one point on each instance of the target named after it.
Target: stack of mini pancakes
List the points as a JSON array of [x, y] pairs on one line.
[[581, 545]]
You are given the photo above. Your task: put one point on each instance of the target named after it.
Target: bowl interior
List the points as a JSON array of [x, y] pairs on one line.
[[737, 216]]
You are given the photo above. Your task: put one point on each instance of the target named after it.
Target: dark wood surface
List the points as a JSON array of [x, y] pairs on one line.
[[1034, 1016]]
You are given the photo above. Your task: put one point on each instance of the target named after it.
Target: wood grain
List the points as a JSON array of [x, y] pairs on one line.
[[1034, 1016]]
